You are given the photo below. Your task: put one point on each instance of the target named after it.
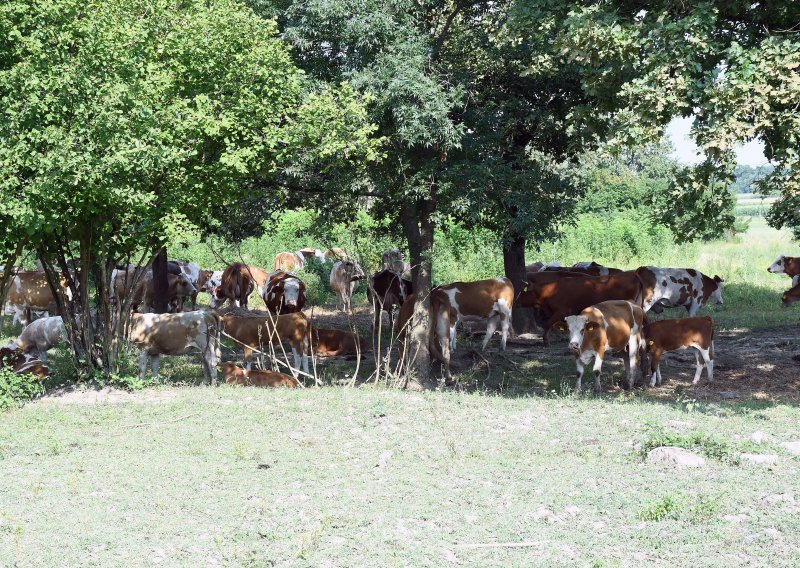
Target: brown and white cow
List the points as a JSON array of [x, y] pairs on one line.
[[673, 334], [673, 287], [491, 299], [199, 278], [28, 293], [386, 290], [791, 296], [284, 293], [22, 363], [788, 265], [616, 326], [344, 279], [41, 335], [335, 342], [309, 252], [236, 376], [143, 293], [288, 262], [253, 330], [235, 285], [176, 334], [554, 301]]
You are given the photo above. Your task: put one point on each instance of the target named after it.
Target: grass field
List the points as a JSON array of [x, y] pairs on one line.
[[510, 468]]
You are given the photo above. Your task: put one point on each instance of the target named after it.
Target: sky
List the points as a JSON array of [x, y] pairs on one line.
[[750, 154]]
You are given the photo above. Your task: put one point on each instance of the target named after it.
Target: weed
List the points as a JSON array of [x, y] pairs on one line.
[[708, 445], [667, 507], [680, 507], [16, 390]]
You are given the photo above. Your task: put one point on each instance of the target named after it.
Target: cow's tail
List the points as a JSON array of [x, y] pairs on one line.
[[711, 347]]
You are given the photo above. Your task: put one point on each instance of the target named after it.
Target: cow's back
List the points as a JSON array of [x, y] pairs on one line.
[[623, 318], [30, 289]]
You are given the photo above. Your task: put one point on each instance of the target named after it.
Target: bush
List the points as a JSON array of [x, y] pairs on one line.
[[16, 390]]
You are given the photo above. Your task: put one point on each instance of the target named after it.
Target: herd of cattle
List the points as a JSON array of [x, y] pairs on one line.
[[600, 309]]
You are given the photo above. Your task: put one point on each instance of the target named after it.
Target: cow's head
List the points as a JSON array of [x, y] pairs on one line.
[[354, 269], [184, 286], [717, 294], [586, 332], [291, 292], [779, 266], [790, 297], [217, 297]]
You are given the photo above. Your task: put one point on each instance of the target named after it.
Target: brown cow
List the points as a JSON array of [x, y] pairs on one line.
[[673, 334], [288, 262], [144, 292], [334, 342], [30, 292], [386, 290], [236, 376], [788, 265], [199, 277], [615, 325], [284, 293], [791, 296], [253, 330], [176, 334], [568, 296], [236, 286], [22, 363]]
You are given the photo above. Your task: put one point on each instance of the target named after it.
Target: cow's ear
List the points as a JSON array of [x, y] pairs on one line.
[[561, 326], [718, 279]]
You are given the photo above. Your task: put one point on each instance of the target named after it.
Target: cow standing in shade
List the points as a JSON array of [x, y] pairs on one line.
[[673, 334], [344, 279], [608, 326], [284, 293], [673, 287], [386, 290]]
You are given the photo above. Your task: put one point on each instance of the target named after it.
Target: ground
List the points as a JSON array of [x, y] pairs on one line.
[[507, 467]]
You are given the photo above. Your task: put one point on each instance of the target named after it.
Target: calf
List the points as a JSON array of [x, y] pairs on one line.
[[568, 296], [252, 330], [284, 293], [42, 335], [673, 334], [788, 265], [235, 285], [288, 262], [234, 375], [176, 334], [335, 342], [673, 287], [386, 290], [608, 326], [344, 279]]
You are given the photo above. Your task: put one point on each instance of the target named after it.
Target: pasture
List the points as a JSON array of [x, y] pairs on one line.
[[508, 467]]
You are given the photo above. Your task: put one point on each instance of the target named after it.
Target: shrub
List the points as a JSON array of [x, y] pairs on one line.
[[16, 390]]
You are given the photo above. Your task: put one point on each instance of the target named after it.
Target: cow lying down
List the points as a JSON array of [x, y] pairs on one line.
[[335, 342], [237, 376], [21, 363]]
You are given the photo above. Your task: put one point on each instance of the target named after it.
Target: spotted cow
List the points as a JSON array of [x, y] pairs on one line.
[[284, 293], [788, 265], [674, 287]]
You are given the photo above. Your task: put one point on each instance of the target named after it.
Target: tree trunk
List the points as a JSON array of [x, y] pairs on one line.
[[160, 283], [514, 266], [418, 228]]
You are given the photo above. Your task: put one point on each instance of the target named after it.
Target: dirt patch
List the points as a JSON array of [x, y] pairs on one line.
[[106, 395]]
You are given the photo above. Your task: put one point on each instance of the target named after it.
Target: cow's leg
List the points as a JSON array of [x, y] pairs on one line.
[[795, 280], [42, 353], [144, 359], [655, 363], [491, 327], [210, 358], [154, 366], [598, 365], [709, 356], [694, 307], [505, 321], [297, 362], [632, 359], [707, 362], [248, 355], [579, 379]]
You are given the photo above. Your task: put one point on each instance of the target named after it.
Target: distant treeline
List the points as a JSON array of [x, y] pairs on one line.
[[746, 176]]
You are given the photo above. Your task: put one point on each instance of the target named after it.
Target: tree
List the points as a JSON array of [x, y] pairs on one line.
[[733, 65], [126, 117]]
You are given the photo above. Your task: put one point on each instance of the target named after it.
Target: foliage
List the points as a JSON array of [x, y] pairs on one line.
[[17, 389]]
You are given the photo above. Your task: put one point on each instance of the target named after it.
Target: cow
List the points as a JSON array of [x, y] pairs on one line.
[[214, 280], [288, 262], [392, 259], [235, 285], [29, 293], [386, 290], [284, 293], [176, 334], [143, 293], [236, 376], [615, 325], [335, 342], [588, 268], [681, 333], [309, 252], [404, 324], [344, 279], [791, 296], [197, 276], [788, 265], [335, 254], [252, 330], [568, 296], [534, 267], [41, 335], [673, 287], [21, 363]]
